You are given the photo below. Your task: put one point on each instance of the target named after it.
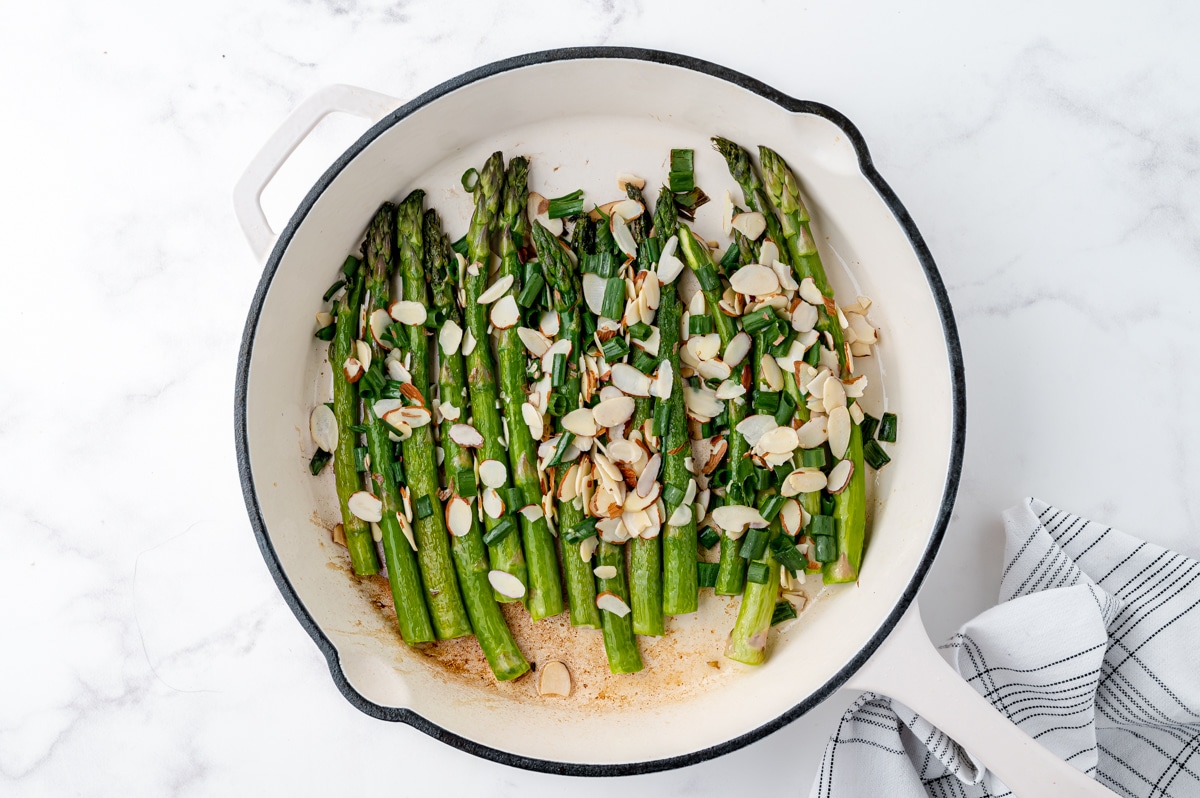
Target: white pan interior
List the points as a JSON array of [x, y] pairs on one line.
[[582, 122]]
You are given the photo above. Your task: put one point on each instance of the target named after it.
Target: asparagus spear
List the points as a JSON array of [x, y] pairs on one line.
[[619, 643], [433, 547], [470, 554], [363, 556], [506, 552], [563, 280], [748, 640], [545, 585], [404, 574]]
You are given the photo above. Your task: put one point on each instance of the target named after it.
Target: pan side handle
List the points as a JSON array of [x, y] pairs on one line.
[[247, 194], [909, 669]]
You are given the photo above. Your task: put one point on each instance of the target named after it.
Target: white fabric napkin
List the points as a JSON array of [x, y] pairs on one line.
[[1094, 651]]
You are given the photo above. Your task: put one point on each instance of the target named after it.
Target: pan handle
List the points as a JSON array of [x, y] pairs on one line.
[[247, 194], [909, 669]]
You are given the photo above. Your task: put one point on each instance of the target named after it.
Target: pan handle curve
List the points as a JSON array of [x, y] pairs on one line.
[[908, 668], [247, 194]]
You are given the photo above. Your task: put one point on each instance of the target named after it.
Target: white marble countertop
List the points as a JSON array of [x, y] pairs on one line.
[[1048, 153]]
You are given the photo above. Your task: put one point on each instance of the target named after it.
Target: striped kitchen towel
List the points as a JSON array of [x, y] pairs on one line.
[[1094, 651]]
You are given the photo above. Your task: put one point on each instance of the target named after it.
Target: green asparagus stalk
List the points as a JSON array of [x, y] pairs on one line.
[[363, 556], [433, 545], [404, 574], [563, 280], [545, 598], [748, 640], [506, 553], [753, 190], [470, 554], [619, 643]]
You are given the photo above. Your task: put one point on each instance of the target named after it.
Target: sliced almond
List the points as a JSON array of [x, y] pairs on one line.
[[772, 377], [493, 473], [587, 548], [716, 452], [605, 571], [466, 436], [568, 488], [554, 679], [624, 238], [840, 427], [559, 347], [469, 343], [415, 417], [627, 209], [322, 425], [730, 390], [751, 224], [791, 515], [365, 506], [735, 518], [492, 502], [407, 530], [533, 512], [611, 528], [768, 253], [856, 413], [533, 420], [611, 602], [781, 440], [362, 351], [664, 381], [505, 313], [681, 516], [397, 371], [728, 208], [839, 476], [833, 394], [458, 516], [647, 481], [803, 480], [755, 280], [630, 380], [594, 287], [669, 267], [787, 280], [702, 403], [449, 337], [580, 422], [496, 290], [738, 348], [863, 331], [859, 349], [534, 341], [813, 432], [324, 319], [804, 317], [752, 428], [506, 584], [408, 312], [380, 320], [549, 323], [611, 412], [810, 293]]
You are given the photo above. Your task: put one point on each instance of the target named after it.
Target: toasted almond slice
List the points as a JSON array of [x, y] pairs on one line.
[[397, 371], [625, 179], [813, 432], [450, 336], [719, 446], [628, 209], [380, 320], [730, 390], [714, 369], [804, 317], [466, 436], [859, 349], [739, 347], [839, 431], [751, 224], [863, 331], [612, 412], [815, 386], [809, 292], [803, 480], [533, 512], [407, 312], [647, 481], [635, 503], [755, 280], [568, 488], [839, 476], [781, 440], [856, 413], [833, 394], [605, 468], [728, 208], [534, 341], [611, 528], [605, 571], [496, 290], [752, 428], [704, 347], [533, 420], [768, 253], [611, 602], [681, 516], [702, 402], [630, 380], [587, 547], [580, 422], [365, 506], [549, 323], [791, 515], [787, 280], [505, 313], [458, 516], [415, 417], [493, 473], [734, 518], [560, 347], [324, 319], [506, 584], [338, 533], [609, 392], [469, 343], [322, 425], [406, 528], [622, 236], [771, 375], [651, 289], [554, 679], [492, 502], [664, 381], [594, 287], [362, 351], [698, 304]]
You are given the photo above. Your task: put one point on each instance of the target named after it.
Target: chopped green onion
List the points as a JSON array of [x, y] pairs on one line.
[[788, 555], [784, 611], [813, 458], [706, 275], [470, 179], [709, 537], [327, 332], [333, 289], [424, 508], [875, 456], [500, 531], [784, 346], [731, 258], [826, 549], [614, 349], [559, 450], [822, 526], [391, 389], [319, 459], [706, 573], [662, 417], [556, 404], [351, 266], [460, 246], [640, 331], [532, 290], [672, 497], [769, 507], [360, 459], [514, 499], [643, 362], [754, 544], [688, 203], [759, 320], [813, 356], [766, 402], [787, 409], [782, 472], [589, 325], [464, 483], [358, 429], [758, 573], [603, 264], [558, 370], [682, 176], [567, 205], [578, 534], [828, 505], [700, 325], [869, 425], [887, 428], [398, 473], [649, 252], [613, 306]]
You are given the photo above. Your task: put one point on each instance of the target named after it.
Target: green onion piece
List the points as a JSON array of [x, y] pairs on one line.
[[360, 459], [709, 537], [672, 496], [391, 389], [822, 526], [465, 484], [783, 347], [398, 473], [784, 611], [769, 507], [326, 333], [766, 402], [722, 419], [556, 405], [567, 205], [754, 544], [578, 534], [758, 572], [787, 409], [602, 264], [614, 349], [682, 176], [643, 362], [826, 549], [589, 325], [514, 499], [729, 260], [813, 356], [460, 246], [887, 428], [688, 203], [559, 450], [333, 289], [500, 531], [558, 370], [319, 459], [358, 429], [763, 477], [640, 331], [700, 325], [707, 573], [813, 458], [828, 505], [706, 275], [662, 417], [759, 320], [470, 179], [706, 429], [614, 299], [532, 290], [649, 251], [424, 508], [351, 266], [875, 456], [782, 472], [788, 555], [869, 425]]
